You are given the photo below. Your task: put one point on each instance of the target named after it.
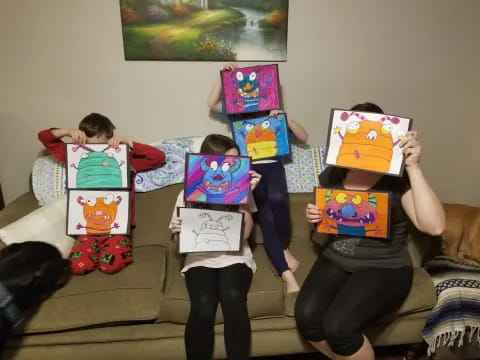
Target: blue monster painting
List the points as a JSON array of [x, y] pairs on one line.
[[217, 179]]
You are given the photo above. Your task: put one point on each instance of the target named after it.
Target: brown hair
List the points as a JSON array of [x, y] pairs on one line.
[[96, 124], [369, 107], [216, 144]]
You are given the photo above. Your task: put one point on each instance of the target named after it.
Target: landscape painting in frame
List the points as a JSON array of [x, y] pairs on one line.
[[217, 179], [210, 230], [353, 213], [97, 166], [98, 212], [211, 30], [367, 141], [263, 137], [251, 89]]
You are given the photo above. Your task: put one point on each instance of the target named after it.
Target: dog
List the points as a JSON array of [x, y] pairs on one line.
[[29, 273]]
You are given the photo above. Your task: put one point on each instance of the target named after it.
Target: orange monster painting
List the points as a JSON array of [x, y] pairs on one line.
[[98, 212], [353, 213], [367, 141]]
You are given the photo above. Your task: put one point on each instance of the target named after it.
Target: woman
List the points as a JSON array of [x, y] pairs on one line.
[[346, 289]]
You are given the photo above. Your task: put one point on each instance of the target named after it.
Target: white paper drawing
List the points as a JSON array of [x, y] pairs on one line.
[[368, 141], [97, 166], [98, 212], [206, 230]]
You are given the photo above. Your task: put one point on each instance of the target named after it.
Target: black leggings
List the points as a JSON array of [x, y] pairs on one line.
[[206, 287], [273, 216], [336, 306]]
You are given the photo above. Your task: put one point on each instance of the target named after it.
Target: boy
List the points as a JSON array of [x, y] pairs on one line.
[[110, 253]]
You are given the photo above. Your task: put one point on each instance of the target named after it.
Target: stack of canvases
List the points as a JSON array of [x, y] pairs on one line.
[[98, 209], [225, 179]]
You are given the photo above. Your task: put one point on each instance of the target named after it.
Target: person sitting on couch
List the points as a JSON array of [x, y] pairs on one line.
[[88, 249], [29, 273], [213, 277], [354, 281]]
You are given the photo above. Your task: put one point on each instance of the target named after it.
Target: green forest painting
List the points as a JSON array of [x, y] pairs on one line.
[[214, 30]]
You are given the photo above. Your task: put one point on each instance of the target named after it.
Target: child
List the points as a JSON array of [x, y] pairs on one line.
[[214, 277], [271, 196], [97, 129], [346, 288], [29, 272]]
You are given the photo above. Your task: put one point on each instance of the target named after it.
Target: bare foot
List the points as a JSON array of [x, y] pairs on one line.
[[291, 261], [290, 282]]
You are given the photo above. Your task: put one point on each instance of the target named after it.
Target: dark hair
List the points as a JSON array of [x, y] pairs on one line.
[[216, 144], [96, 124], [367, 106], [32, 271], [246, 116]]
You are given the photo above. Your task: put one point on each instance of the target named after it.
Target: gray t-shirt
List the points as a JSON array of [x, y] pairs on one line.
[[357, 253]]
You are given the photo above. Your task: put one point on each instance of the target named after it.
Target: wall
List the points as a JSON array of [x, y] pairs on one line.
[[61, 59]]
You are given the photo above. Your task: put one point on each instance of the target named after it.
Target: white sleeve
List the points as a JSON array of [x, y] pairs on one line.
[[178, 203], [252, 206]]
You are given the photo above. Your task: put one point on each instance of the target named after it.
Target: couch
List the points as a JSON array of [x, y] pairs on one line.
[[140, 313]]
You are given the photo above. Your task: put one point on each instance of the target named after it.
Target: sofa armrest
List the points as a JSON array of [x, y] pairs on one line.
[[18, 208]]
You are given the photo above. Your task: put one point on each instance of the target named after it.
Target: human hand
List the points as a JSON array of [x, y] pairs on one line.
[[275, 112], [411, 149], [254, 179], [230, 67], [175, 225], [313, 214], [115, 141], [78, 137]]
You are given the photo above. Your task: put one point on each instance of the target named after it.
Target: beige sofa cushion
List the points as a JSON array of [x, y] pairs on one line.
[[265, 298], [133, 295]]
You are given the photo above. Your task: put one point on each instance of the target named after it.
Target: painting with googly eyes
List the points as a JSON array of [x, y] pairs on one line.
[[97, 166], [367, 141], [263, 137], [98, 212], [251, 89], [217, 179], [209, 230], [353, 213]]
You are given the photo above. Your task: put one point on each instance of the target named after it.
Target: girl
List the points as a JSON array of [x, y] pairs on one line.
[[215, 277], [345, 289], [271, 196]]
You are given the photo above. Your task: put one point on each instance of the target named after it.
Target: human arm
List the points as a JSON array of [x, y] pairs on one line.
[[420, 202], [52, 140], [214, 97], [313, 214], [298, 131], [145, 157]]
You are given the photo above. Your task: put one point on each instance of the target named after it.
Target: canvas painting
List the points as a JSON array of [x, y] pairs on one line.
[[212, 30], [217, 179], [263, 137], [97, 166], [98, 212], [210, 230], [368, 141], [251, 89], [353, 213]]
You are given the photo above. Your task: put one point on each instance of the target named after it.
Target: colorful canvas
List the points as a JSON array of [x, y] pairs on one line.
[[98, 212], [210, 230], [368, 141], [97, 166], [217, 179], [263, 137], [211, 30], [353, 213], [251, 89]]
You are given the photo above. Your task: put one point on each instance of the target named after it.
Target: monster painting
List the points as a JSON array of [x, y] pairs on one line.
[[217, 179], [368, 141], [97, 166], [210, 230], [353, 213], [263, 137], [251, 89], [98, 212]]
